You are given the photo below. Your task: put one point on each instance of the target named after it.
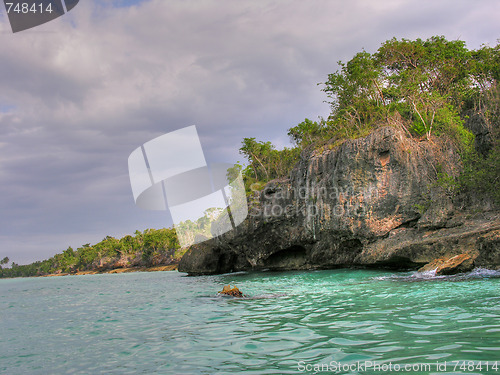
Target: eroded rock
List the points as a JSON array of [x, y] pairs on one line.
[[450, 266], [228, 291]]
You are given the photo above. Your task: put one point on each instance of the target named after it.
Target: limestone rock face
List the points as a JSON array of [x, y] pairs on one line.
[[366, 202]]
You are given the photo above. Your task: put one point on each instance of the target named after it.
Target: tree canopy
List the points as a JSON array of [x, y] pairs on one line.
[[427, 87], [430, 83]]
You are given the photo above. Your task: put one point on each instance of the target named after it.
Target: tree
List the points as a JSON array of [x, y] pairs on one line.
[[255, 152], [305, 133]]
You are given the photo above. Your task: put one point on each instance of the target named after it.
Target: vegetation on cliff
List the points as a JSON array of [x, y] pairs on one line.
[[148, 248], [428, 88]]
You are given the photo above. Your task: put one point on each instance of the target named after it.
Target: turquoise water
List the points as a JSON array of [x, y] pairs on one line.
[[291, 323]]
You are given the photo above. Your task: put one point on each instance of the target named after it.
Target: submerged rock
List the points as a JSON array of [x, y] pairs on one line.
[[227, 290]]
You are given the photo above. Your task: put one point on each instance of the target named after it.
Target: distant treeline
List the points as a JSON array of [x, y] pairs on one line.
[[148, 248]]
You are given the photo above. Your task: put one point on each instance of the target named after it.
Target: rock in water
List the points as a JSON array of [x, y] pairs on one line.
[[450, 266], [235, 292]]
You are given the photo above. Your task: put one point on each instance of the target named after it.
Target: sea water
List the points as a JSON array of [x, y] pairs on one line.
[[330, 322]]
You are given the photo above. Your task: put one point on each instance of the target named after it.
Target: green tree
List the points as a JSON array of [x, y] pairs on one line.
[[306, 133], [256, 152], [265, 161]]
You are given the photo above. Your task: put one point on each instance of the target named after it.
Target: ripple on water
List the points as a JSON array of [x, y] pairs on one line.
[[165, 323]]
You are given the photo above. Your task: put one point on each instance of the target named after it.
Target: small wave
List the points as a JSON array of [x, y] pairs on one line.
[[431, 274], [246, 297], [476, 273], [484, 272], [237, 273], [266, 296], [413, 276]]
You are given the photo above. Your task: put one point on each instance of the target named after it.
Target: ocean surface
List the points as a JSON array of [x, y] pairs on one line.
[[328, 322]]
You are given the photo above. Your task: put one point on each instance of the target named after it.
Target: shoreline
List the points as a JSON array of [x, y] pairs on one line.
[[171, 267]]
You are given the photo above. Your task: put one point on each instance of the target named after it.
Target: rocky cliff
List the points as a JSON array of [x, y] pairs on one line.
[[369, 202]]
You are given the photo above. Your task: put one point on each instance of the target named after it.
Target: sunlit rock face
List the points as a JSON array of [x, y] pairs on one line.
[[366, 202]]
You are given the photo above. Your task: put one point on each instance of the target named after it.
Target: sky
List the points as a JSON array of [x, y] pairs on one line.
[[80, 93]]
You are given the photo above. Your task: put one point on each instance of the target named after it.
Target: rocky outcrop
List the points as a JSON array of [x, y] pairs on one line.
[[448, 266], [368, 202], [477, 124], [131, 261], [233, 292]]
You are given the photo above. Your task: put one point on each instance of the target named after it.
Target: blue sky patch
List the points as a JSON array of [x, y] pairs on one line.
[[4, 108]]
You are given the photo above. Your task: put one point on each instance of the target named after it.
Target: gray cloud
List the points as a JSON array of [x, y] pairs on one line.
[[80, 93]]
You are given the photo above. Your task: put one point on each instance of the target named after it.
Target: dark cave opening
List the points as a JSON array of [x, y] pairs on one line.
[[293, 257]]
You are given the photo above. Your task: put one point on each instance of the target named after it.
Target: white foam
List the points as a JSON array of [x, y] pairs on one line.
[[425, 274], [484, 272]]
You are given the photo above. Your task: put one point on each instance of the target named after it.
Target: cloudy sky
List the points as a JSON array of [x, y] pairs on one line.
[[79, 94]]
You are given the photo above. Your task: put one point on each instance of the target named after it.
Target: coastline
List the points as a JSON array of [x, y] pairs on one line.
[[171, 267]]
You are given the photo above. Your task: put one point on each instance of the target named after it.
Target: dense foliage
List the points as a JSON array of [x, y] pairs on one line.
[[428, 88], [430, 84], [146, 246]]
